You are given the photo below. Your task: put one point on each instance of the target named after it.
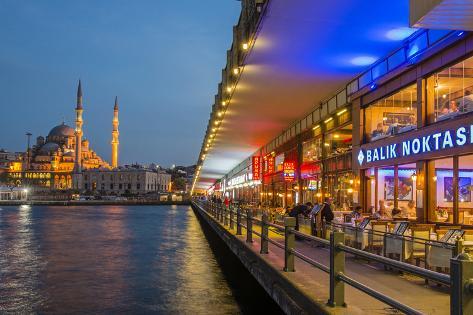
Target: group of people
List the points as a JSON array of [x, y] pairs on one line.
[[387, 211], [227, 201], [312, 210], [454, 106], [394, 128]]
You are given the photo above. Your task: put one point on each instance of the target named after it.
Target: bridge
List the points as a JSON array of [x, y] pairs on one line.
[[313, 275]]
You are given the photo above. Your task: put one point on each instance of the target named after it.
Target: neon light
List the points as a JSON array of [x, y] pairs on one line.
[[442, 140]]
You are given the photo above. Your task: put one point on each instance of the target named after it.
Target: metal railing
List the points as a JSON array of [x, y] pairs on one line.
[[460, 279]]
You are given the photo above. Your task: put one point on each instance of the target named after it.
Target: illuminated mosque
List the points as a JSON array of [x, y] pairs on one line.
[[57, 161]]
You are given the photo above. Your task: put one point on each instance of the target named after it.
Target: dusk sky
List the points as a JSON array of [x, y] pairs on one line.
[[163, 60]]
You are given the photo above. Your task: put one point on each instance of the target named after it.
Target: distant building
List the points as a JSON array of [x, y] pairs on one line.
[[129, 180], [56, 162]]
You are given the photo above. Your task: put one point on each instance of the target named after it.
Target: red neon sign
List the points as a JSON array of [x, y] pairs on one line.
[[270, 162], [256, 168]]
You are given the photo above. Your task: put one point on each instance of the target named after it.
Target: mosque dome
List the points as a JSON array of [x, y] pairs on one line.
[[62, 130], [49, 147]]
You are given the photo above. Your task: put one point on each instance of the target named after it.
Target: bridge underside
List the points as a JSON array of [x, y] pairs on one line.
[[304, 52]]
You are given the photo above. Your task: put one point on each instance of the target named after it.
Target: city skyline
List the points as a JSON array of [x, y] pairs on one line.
[[120, 50]]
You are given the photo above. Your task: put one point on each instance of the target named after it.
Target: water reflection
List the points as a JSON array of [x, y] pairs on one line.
[[109, 259]]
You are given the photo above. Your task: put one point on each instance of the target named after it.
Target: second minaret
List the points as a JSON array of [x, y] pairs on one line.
[[115, 133]]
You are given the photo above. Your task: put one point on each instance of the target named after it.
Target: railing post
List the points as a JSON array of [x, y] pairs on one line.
[[337, 266], [249, 226], [461, 288], [289, 243], [238, 220], [220, 213], [231, 217], [264, 233], [225, 218]]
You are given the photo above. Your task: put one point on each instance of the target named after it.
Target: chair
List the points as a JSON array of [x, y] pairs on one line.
[[376, 235], [420, 233]]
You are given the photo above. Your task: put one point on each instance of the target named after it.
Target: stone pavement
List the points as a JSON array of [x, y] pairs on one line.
[[407, 289]]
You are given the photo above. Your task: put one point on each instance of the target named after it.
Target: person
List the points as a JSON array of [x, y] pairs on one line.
[[382, 213], [379, 131], [356, 214], [226, 202], [411, 209], [327, 213], [468, 101], [313, 218], [396, 213], [450, 107]]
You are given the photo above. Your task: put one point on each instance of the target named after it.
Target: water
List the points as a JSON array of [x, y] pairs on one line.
[[119, 259]]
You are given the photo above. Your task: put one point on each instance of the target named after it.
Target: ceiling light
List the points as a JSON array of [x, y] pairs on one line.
[[342, 112], [219, 114], [229, 89], [328, 120], [236, 71], [214, 129], [224, 103], [245, 46], [316, 127]]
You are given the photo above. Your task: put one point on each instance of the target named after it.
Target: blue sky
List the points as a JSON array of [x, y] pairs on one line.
[[162, 58]]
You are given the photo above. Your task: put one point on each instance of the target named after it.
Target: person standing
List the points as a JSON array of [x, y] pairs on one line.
[[326, 213]]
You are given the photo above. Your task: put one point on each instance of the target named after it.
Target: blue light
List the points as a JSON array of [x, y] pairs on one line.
[[399, 33], [363, 60], [460, 34], [373, 86]]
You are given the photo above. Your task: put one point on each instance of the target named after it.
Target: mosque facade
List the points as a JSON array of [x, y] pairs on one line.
[[57, 161]]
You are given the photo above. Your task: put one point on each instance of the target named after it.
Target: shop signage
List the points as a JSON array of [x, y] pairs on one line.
[[289, 171], [433, 142], [256, 168], [270, 162], [237, 180], [312, 185]]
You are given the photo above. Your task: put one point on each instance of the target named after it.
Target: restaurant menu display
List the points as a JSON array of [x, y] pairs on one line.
[[451, 236], [401, 228], [364, 223]]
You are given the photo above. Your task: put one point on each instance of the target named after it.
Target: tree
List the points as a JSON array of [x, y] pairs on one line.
[[179, 184]]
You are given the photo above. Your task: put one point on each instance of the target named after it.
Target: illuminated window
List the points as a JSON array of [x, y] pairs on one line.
[[450, 91], [392, 115]]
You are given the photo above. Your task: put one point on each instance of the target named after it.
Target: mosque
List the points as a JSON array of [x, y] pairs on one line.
[[58, 161]]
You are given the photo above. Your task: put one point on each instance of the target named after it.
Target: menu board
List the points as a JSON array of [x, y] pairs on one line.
[[364, 223], [454, 235], [401, 228]]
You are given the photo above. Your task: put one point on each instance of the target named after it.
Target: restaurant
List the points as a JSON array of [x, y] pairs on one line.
[[414, 140]]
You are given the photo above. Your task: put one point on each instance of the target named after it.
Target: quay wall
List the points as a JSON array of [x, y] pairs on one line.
[[89, 202], [289, 298]]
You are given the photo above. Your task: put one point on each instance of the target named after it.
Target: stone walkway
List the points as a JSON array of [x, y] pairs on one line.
[[407, 289]]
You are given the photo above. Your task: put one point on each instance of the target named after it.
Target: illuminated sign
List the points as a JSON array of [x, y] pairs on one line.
[[438, 141], [289, 172], [256, 168], [312, 185], [270, 165], [237, 180]]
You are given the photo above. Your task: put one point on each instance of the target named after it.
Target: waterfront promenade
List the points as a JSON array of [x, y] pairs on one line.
[[314, 283]]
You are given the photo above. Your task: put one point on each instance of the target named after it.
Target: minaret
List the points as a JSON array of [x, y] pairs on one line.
[[78, 149], [115, 135]]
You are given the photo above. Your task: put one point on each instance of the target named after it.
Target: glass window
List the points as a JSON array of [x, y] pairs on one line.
[[379, 70], [452, 91], [417, 45], [396, 59], [340, 188], [435, 35], [342, 98], [332, 104], [312, 150], [441, 190], [392, 115], [339, 141], [465, 180], [365, 79]]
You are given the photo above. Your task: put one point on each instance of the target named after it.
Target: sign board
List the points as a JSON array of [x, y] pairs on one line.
[[256, 168], [429, 140], [289, 171]]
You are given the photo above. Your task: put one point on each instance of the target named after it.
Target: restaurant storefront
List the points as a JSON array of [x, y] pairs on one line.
[[416, 147]]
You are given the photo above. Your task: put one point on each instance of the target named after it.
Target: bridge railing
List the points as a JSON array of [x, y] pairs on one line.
[[460, 279]]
